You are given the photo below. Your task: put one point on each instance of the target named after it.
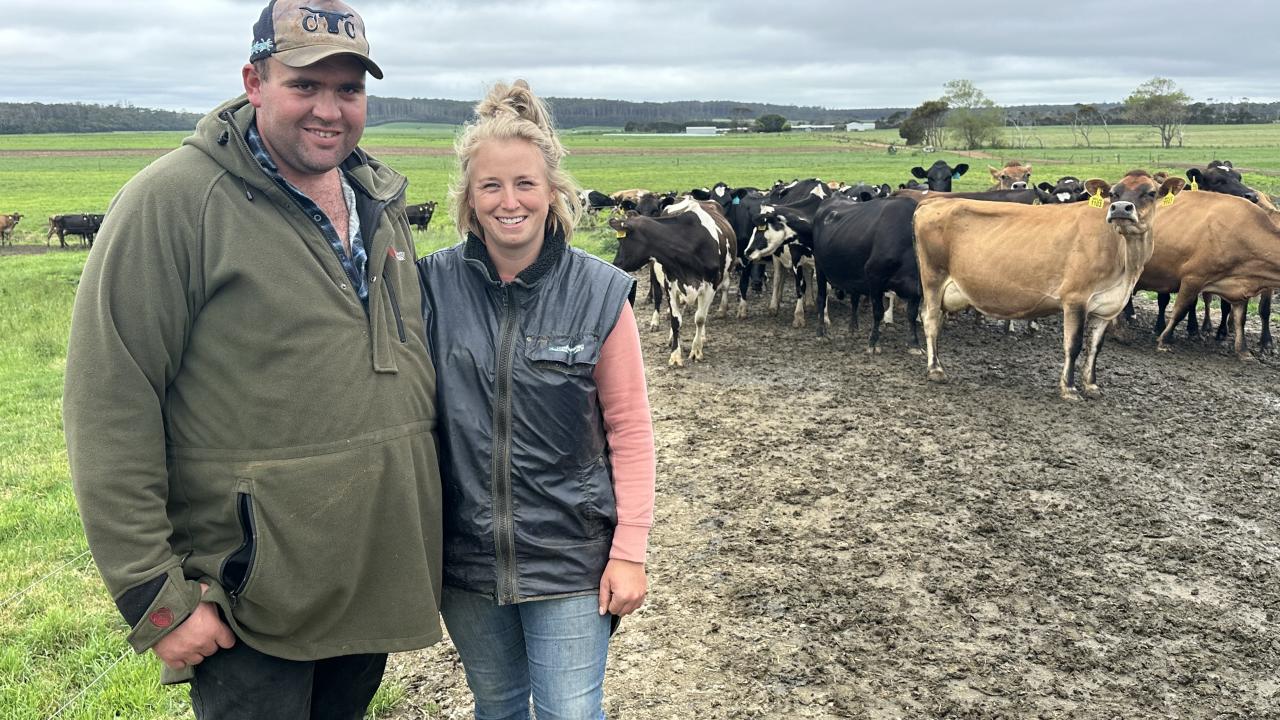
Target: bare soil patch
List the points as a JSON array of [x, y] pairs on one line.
[[837, 538]]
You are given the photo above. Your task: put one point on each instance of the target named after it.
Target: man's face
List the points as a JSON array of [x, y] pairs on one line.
[[310, 118]]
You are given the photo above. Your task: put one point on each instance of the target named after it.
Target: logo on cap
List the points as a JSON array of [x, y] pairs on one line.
[[334, 21]]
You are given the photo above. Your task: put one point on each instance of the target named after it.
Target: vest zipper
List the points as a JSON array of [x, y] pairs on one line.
[[503, 522]]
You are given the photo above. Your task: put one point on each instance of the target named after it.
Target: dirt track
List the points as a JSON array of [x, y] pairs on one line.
[[836, 538]]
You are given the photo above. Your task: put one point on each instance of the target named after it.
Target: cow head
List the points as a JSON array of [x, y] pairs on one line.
[[1133, 200], [771, 232], [14, 218], [863, 192], [1013, 176], [1068, 189], [629, 256], [1220, 177], [939, 175]]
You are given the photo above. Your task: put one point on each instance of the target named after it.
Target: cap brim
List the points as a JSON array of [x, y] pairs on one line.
[[304, 56]]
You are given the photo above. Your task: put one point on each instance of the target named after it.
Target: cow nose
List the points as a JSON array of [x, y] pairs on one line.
[[1121, 210], [1252, 197], [1019, 186]]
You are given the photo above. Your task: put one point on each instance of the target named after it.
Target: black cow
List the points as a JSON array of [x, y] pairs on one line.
[[85, 225], [740, 207], [940, 174], [593, 201], [863, 246], [420, 214], [692, 250]]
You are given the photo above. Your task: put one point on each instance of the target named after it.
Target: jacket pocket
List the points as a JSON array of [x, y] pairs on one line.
[[568, 354], [390, 283]]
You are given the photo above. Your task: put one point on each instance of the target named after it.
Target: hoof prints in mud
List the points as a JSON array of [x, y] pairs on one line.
[[837, 538]]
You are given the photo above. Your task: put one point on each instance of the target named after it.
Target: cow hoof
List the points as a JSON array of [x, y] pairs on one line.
[[797, 323], [873, 350], [1163, 348], [1246, 357], [823, 338], [676, 359], [1093, 392], [915, 351], [937, 375], [1070, 394]]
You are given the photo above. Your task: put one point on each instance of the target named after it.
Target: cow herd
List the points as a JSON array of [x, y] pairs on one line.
[[1015, 252]]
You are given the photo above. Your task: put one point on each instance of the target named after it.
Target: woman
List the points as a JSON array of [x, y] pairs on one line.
[[547, 445]]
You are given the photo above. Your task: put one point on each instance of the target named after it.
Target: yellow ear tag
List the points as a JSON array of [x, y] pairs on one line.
[[1194, 186], [1096, 200], [1168, 199], [621, 234]]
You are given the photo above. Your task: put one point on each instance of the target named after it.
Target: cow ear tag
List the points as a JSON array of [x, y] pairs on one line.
[[621, 234], [737, 201], [955, 176], [1194, 186], [1168, 199], [1096, 200]]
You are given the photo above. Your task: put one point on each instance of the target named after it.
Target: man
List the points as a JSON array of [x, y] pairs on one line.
[[249, 403]]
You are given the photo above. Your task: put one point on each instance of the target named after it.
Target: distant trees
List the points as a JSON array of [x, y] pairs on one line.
[[1083, 119], [1159, 103], [18, 118], [974, 117], [925, 124], [772, 123]]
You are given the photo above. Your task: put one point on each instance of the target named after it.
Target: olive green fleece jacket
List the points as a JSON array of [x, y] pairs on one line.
[[235, 417]]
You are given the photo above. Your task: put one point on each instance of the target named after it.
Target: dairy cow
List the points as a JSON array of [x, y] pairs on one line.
[[84, 225], [7, 224], [940, 174]]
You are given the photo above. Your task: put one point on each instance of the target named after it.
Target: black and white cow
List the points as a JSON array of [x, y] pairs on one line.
[[692, 248], [863, 246], [940, 174], [1068, 189], [785, 233], [593, 201]]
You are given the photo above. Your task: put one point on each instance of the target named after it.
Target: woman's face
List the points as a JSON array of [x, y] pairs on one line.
[[510, 195]]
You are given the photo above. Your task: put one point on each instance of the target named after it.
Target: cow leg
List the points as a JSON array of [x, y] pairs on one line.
[[1129, 312], [1073, 326], [823, 320], [932, 325], [674, 303], [1239, 309], [775, 300], [855, 299], [744, 278], [656, 288], [706, 296], [797, 318], [1188, 292], [877, 315], [1264, 314], [913, 322], [1224, 321], [1090, 372], [757, 277], [1162, 305], [888, 307]]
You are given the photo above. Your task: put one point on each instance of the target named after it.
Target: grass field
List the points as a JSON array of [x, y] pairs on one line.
[[62, 649]]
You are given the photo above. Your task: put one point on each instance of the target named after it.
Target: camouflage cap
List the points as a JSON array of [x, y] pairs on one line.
[[301, 32]]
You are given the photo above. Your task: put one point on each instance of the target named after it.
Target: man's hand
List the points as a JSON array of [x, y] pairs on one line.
[[198, 637], [622, 587]]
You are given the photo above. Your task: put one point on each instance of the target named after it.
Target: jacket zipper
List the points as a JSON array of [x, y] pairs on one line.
[[245, 509], [504, 522], [395, 305]]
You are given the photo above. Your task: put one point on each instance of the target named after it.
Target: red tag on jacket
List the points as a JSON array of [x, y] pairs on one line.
[[162, 618]]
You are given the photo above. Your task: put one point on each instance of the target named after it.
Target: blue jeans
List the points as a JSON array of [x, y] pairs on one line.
[[554, 650]]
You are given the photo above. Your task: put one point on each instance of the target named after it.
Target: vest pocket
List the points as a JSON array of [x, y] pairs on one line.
[[568, 354], [599, 508]]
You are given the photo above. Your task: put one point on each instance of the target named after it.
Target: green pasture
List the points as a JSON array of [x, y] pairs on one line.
[[62, 648]]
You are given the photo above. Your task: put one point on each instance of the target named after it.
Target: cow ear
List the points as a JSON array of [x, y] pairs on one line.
[[1172, 186], [919, 172], [959, 170], [627, 204], [1196, 175], [1098, 186], [994, 172], [700, 194], [1045, 187], [865, 196]]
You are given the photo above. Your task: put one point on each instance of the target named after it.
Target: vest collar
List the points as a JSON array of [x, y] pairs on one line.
[[553, 246]]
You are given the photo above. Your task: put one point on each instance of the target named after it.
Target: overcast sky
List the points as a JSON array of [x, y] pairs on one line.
[[186, 55]]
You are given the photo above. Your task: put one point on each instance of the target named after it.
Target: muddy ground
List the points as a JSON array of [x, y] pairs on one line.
[[837, 538]]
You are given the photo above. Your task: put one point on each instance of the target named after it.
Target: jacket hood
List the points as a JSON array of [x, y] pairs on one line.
[[220, 135]]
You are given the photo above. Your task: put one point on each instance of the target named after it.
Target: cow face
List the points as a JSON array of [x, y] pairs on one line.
[[939, 175], [771, 233], [1222, 178], [1068, 189], [1013, 176], [1134, 200], [628, 257]]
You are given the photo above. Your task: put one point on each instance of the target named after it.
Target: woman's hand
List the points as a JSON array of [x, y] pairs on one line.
[[622, 587]]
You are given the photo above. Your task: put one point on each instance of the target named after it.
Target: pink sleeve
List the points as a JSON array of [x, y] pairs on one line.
[[629, 430]]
